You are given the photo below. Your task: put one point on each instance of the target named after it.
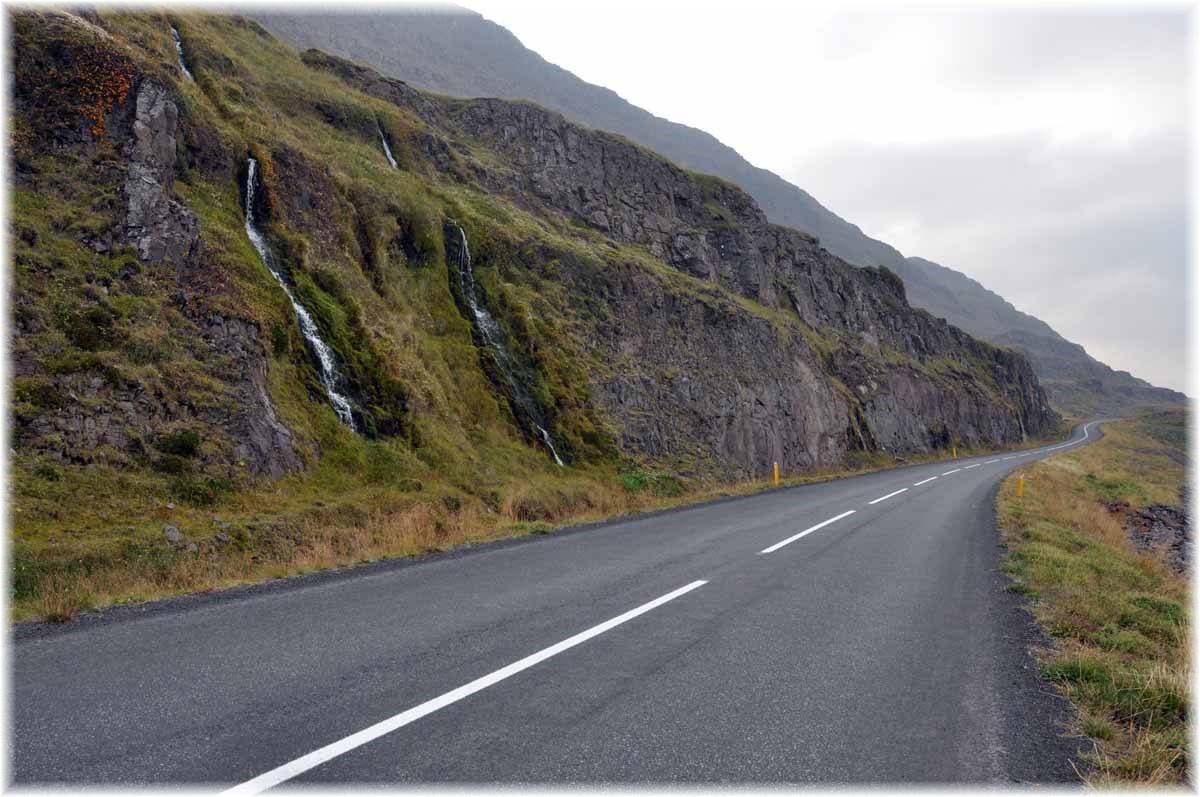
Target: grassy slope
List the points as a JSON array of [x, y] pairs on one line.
[[1118, 619], [457, 471]]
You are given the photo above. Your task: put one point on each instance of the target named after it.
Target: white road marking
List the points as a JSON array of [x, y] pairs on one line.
[[328, 752], [991, 461], [924, 481], [809, 530], [889, 495], [947, 473], [976, 465], [1014, 456]]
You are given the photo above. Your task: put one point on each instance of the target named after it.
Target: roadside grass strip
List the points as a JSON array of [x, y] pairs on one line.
[[1117, 616]]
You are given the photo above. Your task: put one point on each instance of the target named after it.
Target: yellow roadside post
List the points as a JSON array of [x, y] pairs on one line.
[[776, 474], [954, 452], [1020, 486]]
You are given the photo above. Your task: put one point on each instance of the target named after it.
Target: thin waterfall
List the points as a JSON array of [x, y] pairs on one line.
[[179, 52], [386, 149], [330, 378], [493, 338]]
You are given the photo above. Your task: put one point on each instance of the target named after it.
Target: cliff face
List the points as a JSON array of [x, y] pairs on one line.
[[133, 271], [653, 315], [772, 401]]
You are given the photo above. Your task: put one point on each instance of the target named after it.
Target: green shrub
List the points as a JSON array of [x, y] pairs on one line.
[[184, 443], [92, 329], [47, 472], [660, 483], [279, 339], [172, 464], [199, 490], [634, 481]]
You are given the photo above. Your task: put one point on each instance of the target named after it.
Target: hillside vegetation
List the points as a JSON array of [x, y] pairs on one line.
[[1117, 614], [172, 428]]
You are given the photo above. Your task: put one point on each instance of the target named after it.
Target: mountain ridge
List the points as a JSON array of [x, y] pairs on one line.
[[459, 52]]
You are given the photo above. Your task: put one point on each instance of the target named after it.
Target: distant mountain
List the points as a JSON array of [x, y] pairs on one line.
[[458, 52]]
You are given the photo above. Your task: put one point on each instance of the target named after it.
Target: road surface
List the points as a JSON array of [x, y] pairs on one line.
[[851, 631]]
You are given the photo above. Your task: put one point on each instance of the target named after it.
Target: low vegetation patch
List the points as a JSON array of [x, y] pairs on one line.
[[1117, 617]]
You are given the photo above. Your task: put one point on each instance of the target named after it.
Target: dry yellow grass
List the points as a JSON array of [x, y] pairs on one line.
[[1117, 617]]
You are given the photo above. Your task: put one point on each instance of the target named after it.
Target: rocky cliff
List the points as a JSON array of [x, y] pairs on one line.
[[708, 229], [653, 316], [458, 52]]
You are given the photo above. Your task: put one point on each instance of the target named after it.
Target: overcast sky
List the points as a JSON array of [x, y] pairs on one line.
[[1041, 152]]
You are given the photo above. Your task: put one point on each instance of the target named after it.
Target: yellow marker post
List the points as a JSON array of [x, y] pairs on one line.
[[954, 452], [1020, 486], [776, 474]]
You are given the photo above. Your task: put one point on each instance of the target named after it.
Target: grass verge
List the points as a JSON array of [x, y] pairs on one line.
[[1117, 618]]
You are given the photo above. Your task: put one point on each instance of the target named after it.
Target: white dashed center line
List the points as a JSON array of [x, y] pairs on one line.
[[889, 495], [925, 481], [947, 473], [330, 751], [808, 530]]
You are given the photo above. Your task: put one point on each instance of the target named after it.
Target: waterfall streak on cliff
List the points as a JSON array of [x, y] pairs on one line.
[[386, 149], [308, 327], [179, 52], [492, 335]]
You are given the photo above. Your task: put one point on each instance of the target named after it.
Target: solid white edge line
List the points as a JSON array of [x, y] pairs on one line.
[[1068, 444], [947, 473], [925, 481], [331, 751], [809, 530], [889, 495]]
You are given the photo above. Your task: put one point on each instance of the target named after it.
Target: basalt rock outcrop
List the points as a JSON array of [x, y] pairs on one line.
[[157, 225], [915, 381]]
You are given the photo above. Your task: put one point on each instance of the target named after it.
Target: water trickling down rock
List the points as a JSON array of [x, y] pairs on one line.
[[330, 378], [179, 52], [386, 149], [493, 339]]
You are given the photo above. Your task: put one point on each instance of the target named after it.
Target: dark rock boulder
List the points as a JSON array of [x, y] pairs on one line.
[[158, 226]]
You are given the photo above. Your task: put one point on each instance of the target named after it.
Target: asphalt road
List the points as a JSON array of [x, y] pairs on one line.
[[686, 646]]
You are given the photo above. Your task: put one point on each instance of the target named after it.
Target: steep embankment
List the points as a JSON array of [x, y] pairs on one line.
[[259, 297], [458, 52]]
